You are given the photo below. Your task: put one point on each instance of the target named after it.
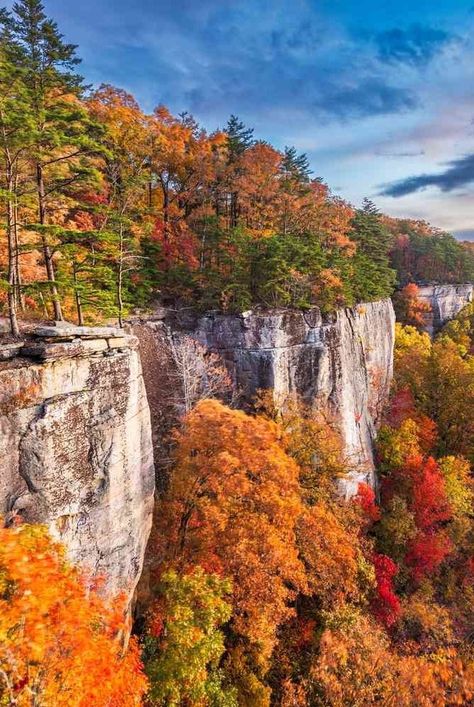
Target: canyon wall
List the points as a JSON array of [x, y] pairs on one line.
[[340, 363], [446, 301], [75, 446]]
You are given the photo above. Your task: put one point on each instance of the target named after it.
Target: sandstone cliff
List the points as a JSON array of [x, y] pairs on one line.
[[446, 301], [75, 447], [341, 363]]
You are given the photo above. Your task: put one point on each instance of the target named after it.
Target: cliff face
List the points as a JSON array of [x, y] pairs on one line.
[[446, 301], [340, 363], [75, 447]]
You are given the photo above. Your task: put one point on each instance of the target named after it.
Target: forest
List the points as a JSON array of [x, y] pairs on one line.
[[106, 209], [266, 587]]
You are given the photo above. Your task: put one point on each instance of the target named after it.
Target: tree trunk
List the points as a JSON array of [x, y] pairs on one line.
[[166, 213], [234, 209], [77, 295], [20, 300], [120, 280], [48, 257], [12, 255]]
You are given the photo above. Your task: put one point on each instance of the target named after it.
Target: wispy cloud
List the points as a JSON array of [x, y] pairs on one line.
[[374, 92], [459, 173]]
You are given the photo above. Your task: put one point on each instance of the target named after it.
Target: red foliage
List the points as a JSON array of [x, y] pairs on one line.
[[178, 244], [427, 552], [386, 605], [402, 407], [429, 503], [366, 500]]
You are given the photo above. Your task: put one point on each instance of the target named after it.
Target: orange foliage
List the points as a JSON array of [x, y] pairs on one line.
[[410, 308], [232, 507], [358, 666], [59, 640], [330, 555]]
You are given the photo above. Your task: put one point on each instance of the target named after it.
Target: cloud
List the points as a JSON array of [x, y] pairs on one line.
[[415, 46], [459, 173], [396, 155], [367, 97]]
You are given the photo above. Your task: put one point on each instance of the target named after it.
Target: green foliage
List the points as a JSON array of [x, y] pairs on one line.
[[239, 137], [374, 278], [295, 167], [185, 644]]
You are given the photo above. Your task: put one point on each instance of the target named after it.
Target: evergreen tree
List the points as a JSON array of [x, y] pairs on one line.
[[61, 134], [239, 137], [374, 278], [15, 136], [294, 166], [86, 271]]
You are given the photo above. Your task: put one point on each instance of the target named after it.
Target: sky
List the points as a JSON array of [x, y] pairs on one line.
[[380, 95]]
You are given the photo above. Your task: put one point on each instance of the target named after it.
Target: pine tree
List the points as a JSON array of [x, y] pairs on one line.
[[239, 137], [15, 132], [61, 133], [374, 277], [294, 166]]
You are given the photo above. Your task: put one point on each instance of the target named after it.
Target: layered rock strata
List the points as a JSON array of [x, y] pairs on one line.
[[339, 363], [75, 446]]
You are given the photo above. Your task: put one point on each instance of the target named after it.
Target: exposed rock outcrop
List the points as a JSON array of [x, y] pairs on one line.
[[341, 363], [75, 447], [446, 301]]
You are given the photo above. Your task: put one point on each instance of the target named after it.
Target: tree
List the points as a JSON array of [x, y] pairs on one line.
[[239, 140], [312, 439], [358, 666], [295, 167], [410, 309], [15, 127], [199, 374], [450, 388], [184, 643], [385, 605], [59, 640], [124, 166], [61, 133], [85, 271], [375, 277], [330, 554], [232, 507], [239, 137]]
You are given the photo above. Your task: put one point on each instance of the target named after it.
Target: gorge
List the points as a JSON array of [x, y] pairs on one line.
[[76, 439]]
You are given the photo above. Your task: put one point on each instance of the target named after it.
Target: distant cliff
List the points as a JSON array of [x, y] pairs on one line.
[[341, 363], [446, 301], [75, 446]]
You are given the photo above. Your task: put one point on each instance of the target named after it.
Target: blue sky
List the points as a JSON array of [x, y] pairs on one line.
[[378, 94]]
